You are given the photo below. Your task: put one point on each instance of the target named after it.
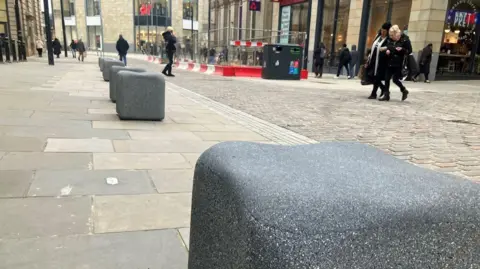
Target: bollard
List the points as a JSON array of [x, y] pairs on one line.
[[328, 205]]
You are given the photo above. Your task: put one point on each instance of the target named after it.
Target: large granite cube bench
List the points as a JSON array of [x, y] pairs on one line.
[[329, 205], [140, 96], [114, 79], [107, 65], [101, 60]]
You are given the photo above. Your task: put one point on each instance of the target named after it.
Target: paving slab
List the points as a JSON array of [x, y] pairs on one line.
[[45, 161], [124, 125], [230, 136], [14, 143], [164, 135], [132, 250], [16, 113], [78, 145], [72, 116], [172, 180], [62, 132], [185, 234], [43, 217], [15, 183], [124, 213], [159, 146], [192, 158], [148, 161], [79, 182]]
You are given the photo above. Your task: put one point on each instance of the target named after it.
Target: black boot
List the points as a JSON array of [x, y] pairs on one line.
[[386, 97], [373, 95], [404, 94]]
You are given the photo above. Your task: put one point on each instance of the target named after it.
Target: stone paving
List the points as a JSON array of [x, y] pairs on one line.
[[81, 189], [438, 127]]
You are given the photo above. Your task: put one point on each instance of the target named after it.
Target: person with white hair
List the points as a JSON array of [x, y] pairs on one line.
[[398, 47], [170, 48]]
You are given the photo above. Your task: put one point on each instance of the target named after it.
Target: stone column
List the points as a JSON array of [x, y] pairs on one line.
[[426, 25], [81, 20], [354, 19], [311, 34], [118, 15]]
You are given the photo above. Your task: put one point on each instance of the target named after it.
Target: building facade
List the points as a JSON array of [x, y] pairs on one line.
[[20, 26], [141, 22], [451, 26]]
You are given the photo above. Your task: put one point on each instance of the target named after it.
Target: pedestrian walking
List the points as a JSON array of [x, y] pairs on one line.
[[377, 61], [344, 61], [170, 48], [81, 50], [73, 48], [319, 59], [398, 47], [39, 44], [425, 60], [211, 56], [354, 61], [122, 49], [57, 47]]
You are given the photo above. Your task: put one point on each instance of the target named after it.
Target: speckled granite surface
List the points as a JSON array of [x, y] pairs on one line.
[[140, 96], [107, 64], [113, 79], [329, 205]]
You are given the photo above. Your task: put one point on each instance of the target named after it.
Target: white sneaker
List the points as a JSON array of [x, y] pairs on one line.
[[349, 77], [336, 77]]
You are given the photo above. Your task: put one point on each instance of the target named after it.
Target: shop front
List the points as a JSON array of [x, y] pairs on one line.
[[150, 20], [293, 21], [459, 56]]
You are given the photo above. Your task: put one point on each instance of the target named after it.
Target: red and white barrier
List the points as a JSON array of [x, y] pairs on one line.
[[248, 44]]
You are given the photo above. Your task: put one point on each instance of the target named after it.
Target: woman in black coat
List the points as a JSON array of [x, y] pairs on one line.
[[398, 46], [57, 47], [425, 60], [377, 61]]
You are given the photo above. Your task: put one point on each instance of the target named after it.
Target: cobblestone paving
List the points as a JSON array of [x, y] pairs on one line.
[[438, 127]]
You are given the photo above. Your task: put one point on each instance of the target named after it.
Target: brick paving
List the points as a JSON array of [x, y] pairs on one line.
[[438, 127]]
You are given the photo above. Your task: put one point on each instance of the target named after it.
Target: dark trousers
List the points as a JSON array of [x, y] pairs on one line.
[[423, 70], [394, 74], [40, 51], [168, 67], [123, 58], [340, 66], [377, 83], [319, 67]]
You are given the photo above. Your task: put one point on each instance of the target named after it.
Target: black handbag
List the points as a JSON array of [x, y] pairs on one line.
[[367, 76]]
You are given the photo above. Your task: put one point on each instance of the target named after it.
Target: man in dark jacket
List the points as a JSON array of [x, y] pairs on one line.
[[344, 61], [81, 49], [122, 49], [57, 47], [425, 60], [354, 61], [170, 48]]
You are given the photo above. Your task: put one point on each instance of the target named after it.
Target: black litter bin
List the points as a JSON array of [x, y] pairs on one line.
[[282, 62]]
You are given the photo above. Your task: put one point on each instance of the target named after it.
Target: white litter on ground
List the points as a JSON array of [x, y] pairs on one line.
[[112, 180], [66, 190]]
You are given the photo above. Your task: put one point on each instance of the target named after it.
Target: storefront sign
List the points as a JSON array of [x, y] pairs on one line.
[[285, 24], [254, 5], [145, 9], [291, 2], [462, 18]]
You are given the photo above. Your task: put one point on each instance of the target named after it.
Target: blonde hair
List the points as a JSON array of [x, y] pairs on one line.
[[395, 30], [169, 29]]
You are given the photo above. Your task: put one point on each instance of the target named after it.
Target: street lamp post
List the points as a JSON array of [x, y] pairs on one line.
[[63, 29], [48, 33], [191, 36]]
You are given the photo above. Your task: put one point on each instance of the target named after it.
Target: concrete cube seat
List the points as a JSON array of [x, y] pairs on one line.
[[328, 205], [107, 65], [101, 60], [140, 96], [114, 79]]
